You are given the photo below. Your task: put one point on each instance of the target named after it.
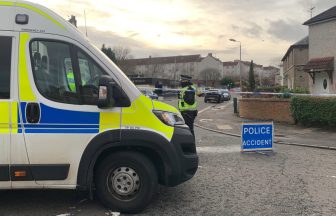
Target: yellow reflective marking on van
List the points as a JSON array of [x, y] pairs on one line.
[[32, 8], [42, 13], [2, 3], [140, 115], [26, 92], [14, 117], [8, 117], [158, 105], [4, 118], [109, 120]]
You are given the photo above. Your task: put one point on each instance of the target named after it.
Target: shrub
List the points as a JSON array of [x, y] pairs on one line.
[[314, 111], [269, 89], [281, 89]]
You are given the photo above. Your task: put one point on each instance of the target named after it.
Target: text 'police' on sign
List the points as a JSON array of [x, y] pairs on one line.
[[257, 136]]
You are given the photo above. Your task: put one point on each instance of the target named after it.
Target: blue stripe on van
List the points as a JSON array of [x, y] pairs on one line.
[[62, 131], [55, 120], [59, 126]]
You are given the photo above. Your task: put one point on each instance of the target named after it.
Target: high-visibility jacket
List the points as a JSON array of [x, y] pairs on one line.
[[182, 104], [71, 81]]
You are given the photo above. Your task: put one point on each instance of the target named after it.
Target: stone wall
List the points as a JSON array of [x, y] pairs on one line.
[[274, 109]]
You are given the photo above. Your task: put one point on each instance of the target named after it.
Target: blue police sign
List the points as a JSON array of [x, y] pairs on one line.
[[257, 136]]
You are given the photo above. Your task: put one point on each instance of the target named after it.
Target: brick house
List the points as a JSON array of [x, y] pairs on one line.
[[293, 62]]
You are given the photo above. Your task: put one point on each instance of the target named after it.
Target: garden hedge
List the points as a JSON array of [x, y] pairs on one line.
[[314, 111]]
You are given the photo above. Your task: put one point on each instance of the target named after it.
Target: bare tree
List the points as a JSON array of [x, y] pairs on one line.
[[122, 54], [210, 75]]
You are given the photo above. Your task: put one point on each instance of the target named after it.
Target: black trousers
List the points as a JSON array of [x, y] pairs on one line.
[[189, 118]]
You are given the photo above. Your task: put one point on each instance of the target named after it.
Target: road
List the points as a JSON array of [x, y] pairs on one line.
[[291, 181]]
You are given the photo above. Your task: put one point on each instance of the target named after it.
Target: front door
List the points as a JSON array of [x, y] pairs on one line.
[[59, 107], [322, 83]]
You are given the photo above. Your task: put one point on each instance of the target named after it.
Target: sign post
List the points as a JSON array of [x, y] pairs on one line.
[[257, 136]]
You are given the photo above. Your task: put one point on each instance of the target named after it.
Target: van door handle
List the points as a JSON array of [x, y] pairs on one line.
[[33, 113]]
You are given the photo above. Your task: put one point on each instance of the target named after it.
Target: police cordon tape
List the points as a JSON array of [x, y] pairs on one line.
[[176, 90]]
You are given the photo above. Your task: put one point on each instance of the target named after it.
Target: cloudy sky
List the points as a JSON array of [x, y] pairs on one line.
[[266, 28]]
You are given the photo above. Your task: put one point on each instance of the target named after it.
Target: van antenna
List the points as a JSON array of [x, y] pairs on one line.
[[85, 24]]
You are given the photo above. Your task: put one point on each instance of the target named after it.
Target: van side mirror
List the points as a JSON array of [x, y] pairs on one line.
[[111, 94]]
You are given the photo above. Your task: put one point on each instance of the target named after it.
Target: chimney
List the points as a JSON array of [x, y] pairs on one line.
[[73, 20]]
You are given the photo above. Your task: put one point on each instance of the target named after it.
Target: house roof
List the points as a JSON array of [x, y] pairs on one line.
[[304, 42], [324, 16], [271, 68], [235, 62], [163, 60], [230, 63], [320, 64]]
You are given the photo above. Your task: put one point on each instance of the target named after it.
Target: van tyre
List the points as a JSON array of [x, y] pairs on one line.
[[126, 182]]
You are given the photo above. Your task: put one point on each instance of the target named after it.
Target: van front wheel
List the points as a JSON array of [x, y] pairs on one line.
[[126, 182]]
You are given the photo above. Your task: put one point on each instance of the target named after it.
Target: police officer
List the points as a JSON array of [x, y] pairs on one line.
[[187, 102]]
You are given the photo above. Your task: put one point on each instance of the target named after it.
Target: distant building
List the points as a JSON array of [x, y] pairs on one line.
[[231, 70], [269, 75], [171, 67], [279, 78], [322, 52], [293, 62], [210, 71]]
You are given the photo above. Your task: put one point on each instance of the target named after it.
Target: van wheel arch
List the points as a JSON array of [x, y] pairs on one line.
[[102, 146], [151, 154]]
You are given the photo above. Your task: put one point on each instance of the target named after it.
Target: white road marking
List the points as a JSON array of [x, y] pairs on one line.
[[205, 120], [199, 112], [224, 127], [218, 149]]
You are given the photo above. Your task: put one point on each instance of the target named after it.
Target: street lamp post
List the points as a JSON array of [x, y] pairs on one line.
[[240, 71]]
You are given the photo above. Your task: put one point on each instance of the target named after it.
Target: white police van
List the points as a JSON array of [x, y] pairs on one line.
[[71, 119]]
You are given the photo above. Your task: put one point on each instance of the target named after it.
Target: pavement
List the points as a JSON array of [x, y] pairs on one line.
[[220, 117]]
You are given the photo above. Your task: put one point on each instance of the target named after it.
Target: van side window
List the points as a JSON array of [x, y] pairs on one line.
[[5, 66], [90, 74], [53, 71]]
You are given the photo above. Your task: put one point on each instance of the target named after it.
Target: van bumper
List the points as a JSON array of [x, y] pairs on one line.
[[184, 146]]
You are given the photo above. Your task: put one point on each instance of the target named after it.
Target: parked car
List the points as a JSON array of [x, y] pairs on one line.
[[149, 93], [226, 94], [214, 95], [201, 92]]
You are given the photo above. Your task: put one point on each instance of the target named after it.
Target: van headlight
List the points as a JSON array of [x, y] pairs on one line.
[[169, 118]]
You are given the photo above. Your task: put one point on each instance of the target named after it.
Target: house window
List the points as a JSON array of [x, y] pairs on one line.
[[5, 66]]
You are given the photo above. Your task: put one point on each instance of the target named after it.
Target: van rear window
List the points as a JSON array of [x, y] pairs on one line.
[[5, 66]]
